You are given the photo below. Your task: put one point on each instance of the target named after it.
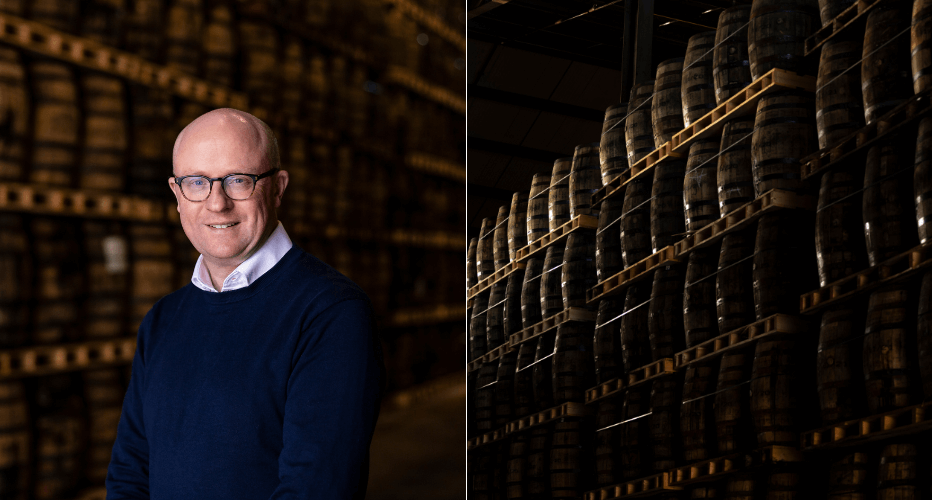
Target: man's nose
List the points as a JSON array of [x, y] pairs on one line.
[[218, 200]]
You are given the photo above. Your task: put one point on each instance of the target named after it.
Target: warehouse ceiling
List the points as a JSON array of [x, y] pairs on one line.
[[540, 74]]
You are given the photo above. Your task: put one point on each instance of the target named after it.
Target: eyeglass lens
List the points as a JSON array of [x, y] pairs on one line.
[[237, 187]]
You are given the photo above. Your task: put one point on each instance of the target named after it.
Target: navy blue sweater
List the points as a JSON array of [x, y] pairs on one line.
[[266, 392]]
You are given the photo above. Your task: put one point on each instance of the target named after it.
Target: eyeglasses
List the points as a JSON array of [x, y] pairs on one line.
[[236, 186]]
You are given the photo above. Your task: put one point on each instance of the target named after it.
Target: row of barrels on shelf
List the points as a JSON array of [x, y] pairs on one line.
[[58, 432]]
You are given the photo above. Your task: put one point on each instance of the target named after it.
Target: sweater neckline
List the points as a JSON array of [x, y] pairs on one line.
[[270, 276]]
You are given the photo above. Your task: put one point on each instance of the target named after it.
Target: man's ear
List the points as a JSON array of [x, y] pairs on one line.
[[281, 182], [176, 191]]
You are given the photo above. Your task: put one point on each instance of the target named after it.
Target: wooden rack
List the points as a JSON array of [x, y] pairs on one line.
[[47, 360]]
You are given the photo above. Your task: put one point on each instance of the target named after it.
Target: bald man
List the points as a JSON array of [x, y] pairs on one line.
[[261, 378]]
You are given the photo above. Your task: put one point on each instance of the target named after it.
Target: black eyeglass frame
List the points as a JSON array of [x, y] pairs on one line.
[[255, 180]]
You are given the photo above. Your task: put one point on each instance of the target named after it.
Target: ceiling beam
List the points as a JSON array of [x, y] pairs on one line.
[[526, 101], [503, 148], [482, 9]]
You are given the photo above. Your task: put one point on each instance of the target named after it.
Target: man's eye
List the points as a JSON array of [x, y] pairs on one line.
[[197, 182]]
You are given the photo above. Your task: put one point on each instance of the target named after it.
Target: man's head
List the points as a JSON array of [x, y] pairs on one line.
[[221, 142]]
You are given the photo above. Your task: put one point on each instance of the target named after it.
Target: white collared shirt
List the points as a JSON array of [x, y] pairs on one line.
[[251, 269]]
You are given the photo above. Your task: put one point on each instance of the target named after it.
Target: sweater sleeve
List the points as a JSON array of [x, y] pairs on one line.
[[128, 473], [332, 405]]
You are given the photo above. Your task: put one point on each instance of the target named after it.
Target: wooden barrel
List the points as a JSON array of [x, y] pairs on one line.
[[478, 341], [784, 134], [516, 471], [666, 110], [551, 282], [734, 283], [781, 262], [887, 208], [735, 178], [55, 123], [635, 220], [585, 180], [570, 458], [732, 411], [542, 371], [293, 76], [731, 70], [219, 45], [839, 236], [699, 315], [924, 334], [485, 400], [922, 174], [103, 394], [152, 266], [839, 106], [485, 260], [777, 34], [573, 370], [921, 45], [105, 141], [59, 437], [558, 200], [56, 14], [900, 472], [606, 347], [538, 220], [15, 112], [517, 224], [495, 317], [700, 197], [885, 71], [665, 321], [697, 91], [783, 484], [505, 388], [635, 332], [607, 439], [578, 272], [144, 28], [260, 68], [523, 401], [639, 132], [15, 456], [500, 257], [705, 491], [697, 417], [613, 155], [480, 465], [888, 355], [838, 365], [848, 477], [152, 141], [182, 44], [829, 9], [608, 261], [106, 251], [776, 390], [511, 320], [665, 399], [58, 280], [471, 280], [538, 462], [740, 487], [635, 449], [667, 223], [18, 275], [530, 292]]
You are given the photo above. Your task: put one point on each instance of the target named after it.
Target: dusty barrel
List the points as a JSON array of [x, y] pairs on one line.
[[639, 133], [103, 393], [58, 280], [608, 261], [731, 70], [889, 350], [635, 333], [573, 370], [551, 281], [887, 209], [924, 334], [848, 477], [666, 110], [635, 220], [511, 319], [570, 458], [734, 295], [665, 321], [471, 280], [485, 399], [697, 91], [777, 34], [613, 155], [485, 260], [839, 236], [735, 178], [838, 365], [606, 344], [105, 141], [517, 224], [152, 266], [921, 45], [585, 180], [697, 417], [55, 123], [607, 440], [59, 438], [500, 256], [922, 179], [700, 197], [665, 399], [839, 106], [14, 295], [516, 468], [538, 462], [781, 263], [16, 454], [530, 292], [523, 401], [732, 411], [495, 317], [106, 251], [505, 388], [635, 433], [558, 198], [542, 371], [478, 341], [829, 9], [699, 315], [777, 386], [784, 134], [537, 218], [578, 272], [885, 71], [901, 472], [667, 223]]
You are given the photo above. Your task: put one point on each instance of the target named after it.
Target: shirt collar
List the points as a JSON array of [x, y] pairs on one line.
[[251, 269]]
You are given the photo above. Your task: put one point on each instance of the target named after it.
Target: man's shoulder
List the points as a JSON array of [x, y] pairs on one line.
[[316, 280]]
